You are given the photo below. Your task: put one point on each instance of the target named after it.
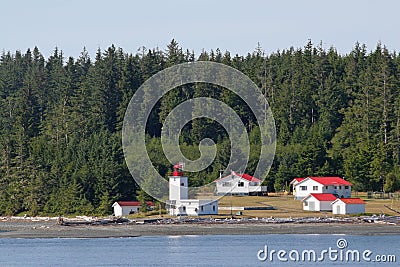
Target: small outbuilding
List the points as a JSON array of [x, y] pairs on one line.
[[348, 206], [122, 208], [318, 202]]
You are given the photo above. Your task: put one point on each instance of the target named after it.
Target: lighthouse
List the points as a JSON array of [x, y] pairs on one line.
[[178, 184], [179, 204]]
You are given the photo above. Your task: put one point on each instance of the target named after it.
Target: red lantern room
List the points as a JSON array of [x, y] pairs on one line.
[[178, 169]]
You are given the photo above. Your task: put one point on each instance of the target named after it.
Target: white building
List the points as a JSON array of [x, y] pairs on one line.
[[321, 185], [194, 207], [318, 202], [239, 184], [122, 208], [179, 204], [348, 206]]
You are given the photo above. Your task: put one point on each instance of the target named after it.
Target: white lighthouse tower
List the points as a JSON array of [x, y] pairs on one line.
[[179, 204], [178, 184]]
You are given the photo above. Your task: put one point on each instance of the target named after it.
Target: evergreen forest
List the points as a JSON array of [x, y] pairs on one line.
[[61, 120]]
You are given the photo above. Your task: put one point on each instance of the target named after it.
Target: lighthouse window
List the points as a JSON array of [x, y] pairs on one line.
[[240, 184]]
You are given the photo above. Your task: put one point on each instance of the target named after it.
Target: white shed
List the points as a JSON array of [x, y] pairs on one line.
[[122, 208], [318, 202], [348, 206]]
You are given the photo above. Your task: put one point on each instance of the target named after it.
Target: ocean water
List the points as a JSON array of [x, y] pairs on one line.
[[208, 250]]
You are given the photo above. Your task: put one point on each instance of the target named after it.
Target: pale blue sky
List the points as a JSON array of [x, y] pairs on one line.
[[236, 26]]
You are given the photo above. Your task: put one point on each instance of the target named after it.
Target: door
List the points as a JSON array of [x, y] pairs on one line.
[[338, 209], [311, 205]]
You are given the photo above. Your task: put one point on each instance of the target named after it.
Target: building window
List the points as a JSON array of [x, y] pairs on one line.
[[340, 187], [182, 184], [213, 208], [346, 187], [201, 208], [226, 184], [315, 188], [326, 187], [306, 203], [303, 188], [184, 208], [240, 184], [335, 187]]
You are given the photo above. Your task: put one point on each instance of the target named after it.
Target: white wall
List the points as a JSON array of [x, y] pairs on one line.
[[231, 184], [318, 205], [331, 189], [310, 202], [125, 210], [117, 210], [338, 190], [347, 208], [194, 207], [300, 194], [178, 187]]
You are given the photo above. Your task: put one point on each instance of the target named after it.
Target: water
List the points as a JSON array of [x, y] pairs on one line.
[[209, 250]]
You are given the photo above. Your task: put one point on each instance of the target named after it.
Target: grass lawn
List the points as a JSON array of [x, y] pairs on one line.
[[286, 206]]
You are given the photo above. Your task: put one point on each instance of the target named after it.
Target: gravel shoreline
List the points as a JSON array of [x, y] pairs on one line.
[[50, 229]]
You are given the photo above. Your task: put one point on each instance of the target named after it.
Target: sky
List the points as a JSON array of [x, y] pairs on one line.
[[234, 26]]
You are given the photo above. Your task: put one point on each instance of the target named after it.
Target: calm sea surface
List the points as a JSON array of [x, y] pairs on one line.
[[210, 250]]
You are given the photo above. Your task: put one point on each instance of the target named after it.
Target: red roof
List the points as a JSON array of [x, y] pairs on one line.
[[323, 197], [330, 180], [248, 177], [244, 176], [133, 203], [352, 200], [298, 180]]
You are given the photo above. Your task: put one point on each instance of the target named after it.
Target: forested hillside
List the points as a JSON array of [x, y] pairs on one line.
[[61, 120]]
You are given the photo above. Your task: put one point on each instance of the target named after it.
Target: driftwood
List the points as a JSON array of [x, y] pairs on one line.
[[66, 222], [398, 212]]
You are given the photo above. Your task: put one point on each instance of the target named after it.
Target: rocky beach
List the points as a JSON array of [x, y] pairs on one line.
[[51, 227]]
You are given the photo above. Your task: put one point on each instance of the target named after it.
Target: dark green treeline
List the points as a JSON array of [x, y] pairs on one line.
[[61, 119]]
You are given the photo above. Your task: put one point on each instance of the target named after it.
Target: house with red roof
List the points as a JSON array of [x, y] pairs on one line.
[[122, 208], [348, 206], [318, 202], [321, 185], [239, 184]]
